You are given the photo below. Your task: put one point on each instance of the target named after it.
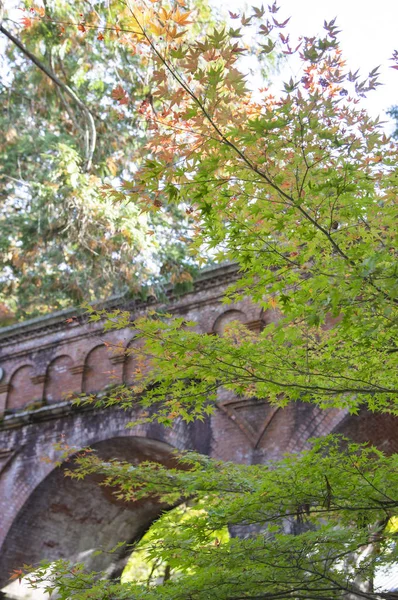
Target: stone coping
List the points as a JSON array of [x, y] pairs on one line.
[[208, 277]]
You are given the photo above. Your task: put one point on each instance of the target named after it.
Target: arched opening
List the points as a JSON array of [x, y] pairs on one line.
[[60, 381], [71, 519], [144, 566], [99, 370], [226, 318], [23, 391]]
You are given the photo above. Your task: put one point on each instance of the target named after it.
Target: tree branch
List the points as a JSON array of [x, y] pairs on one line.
[[51, 75], [253, 167]]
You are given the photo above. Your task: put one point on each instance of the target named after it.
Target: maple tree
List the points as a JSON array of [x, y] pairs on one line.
[[300, 190]]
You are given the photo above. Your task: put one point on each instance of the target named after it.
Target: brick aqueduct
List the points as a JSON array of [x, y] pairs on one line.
[[45, 515]]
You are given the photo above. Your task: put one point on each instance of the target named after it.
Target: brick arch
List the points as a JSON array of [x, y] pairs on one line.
[[25, 388], [99, 370], [70, 519], [270, 315], [378, 429], [227, 317], [33, 482], [61, 380], [315, 422]]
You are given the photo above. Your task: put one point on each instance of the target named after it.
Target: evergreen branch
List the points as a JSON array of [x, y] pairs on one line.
[[51, 75]]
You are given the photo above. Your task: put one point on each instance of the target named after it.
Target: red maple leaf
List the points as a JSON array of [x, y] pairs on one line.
[[26, 22], [119, 94]]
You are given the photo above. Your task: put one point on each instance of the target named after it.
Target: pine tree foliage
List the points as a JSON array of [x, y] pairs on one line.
[[67, 131], [300, 190]]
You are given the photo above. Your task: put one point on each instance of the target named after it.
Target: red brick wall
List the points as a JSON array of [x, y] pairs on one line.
[[23, 391], [99, 371], [61, 382]]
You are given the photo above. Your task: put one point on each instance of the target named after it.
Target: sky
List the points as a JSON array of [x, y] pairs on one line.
[[369, 35]]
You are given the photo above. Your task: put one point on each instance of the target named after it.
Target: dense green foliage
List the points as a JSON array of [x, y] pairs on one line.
[[61, 240], [319, 527], [301, 192]]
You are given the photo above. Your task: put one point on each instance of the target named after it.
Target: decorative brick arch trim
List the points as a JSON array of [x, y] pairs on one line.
[[270, 315], [25, 388], [323, 423], [226, 317]]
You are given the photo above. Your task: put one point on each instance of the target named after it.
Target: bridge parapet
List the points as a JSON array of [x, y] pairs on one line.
[[46, 360]]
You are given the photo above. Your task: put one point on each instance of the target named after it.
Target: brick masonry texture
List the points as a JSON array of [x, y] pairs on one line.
[[44, 515]]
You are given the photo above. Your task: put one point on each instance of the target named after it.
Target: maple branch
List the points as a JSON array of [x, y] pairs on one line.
[[250, 164], [51, 75], [247, 375], [233, 146]]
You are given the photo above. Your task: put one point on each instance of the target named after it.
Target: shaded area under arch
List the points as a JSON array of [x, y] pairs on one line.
[[67, 518], [377, 429]]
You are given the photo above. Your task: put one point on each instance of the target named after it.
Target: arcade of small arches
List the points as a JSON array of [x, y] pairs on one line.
[[101, 367]]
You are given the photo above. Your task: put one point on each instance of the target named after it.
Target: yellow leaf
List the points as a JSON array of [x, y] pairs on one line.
[[163, 14], [156, 28], [172, 33], [178, 35], [273, 302]]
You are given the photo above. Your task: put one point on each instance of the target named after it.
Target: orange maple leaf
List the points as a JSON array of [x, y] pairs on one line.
[[39, 10], [70, 320], [273, 302], [17, 574], [181, 17], [26, 22]]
